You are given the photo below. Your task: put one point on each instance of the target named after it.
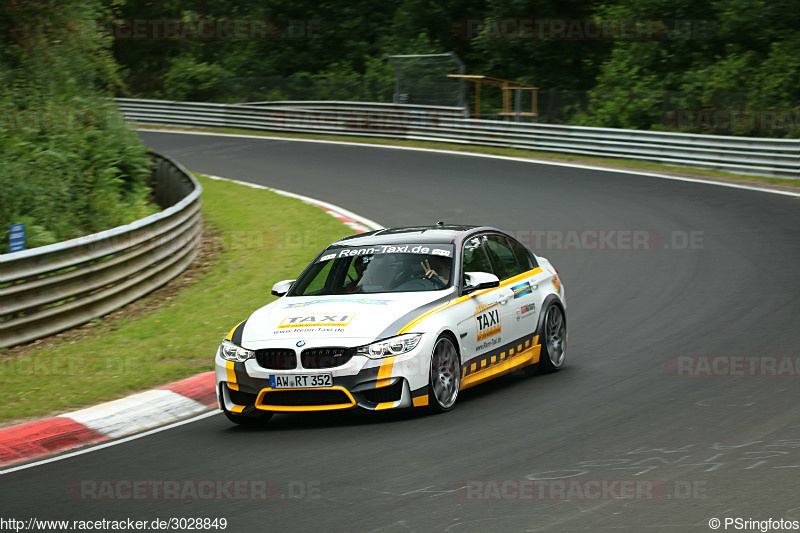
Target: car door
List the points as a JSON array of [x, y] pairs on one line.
[[516, 290], [486, 316], [529, 291]]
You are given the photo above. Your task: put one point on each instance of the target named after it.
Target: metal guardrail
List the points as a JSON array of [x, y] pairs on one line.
[[744, 155], [368, 107], [51, 288]]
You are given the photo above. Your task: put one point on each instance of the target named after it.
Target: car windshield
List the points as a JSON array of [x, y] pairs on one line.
[[378, 268]]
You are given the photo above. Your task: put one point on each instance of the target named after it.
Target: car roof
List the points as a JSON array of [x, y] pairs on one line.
[[437, 234]]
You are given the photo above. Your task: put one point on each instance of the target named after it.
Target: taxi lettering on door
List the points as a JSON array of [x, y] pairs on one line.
[[487, 321]]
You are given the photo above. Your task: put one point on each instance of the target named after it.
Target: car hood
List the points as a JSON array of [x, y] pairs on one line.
[[350, 319]]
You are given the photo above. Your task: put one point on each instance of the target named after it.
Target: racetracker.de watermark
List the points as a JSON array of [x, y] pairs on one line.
[[192, 489], [47, 119], [569, 489], [78, 366], [572, 29], [733, 366], [370, 120], [145, 29], [609, 239], [733, 119]]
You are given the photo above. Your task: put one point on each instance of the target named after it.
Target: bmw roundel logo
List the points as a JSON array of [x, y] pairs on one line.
[[301, 343]]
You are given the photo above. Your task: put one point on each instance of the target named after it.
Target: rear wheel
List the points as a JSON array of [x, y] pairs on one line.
[[554, 341], [445, 375]]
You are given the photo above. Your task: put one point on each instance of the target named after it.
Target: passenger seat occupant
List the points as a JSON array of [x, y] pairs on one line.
[[437, 268]]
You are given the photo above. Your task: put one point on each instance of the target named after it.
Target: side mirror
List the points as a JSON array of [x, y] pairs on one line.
[[282, 287], [475, 281]]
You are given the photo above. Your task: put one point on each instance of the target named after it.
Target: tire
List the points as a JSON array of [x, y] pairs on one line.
[[444, 377], [554, 341], [251, 421]]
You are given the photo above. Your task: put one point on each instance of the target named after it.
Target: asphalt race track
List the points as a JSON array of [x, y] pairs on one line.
[[620, 440]]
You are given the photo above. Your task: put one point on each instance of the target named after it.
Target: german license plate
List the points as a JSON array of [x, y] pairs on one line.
[[300, 381]]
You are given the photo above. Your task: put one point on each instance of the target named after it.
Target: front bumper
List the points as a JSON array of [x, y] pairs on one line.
[[373, 384]]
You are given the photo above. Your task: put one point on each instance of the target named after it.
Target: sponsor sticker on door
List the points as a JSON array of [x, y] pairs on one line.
[[522, 289]]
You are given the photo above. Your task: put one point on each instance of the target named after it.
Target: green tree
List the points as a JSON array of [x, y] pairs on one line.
[[725, 55]]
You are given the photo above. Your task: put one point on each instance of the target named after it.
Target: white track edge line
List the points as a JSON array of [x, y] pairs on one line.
[[313, 201], [488, 156], [94, 447]]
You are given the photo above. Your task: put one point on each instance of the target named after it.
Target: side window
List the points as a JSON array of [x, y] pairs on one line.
[[475, 259], [502, 257], [524, 257]]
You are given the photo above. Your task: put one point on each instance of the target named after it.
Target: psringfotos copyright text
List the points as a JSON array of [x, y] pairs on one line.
[[748, 524]]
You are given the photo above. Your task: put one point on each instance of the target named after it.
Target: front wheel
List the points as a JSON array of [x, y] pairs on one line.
[[445, 375]]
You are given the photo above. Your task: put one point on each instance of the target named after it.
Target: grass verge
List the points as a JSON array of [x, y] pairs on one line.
[[607, 162], [262, 238]]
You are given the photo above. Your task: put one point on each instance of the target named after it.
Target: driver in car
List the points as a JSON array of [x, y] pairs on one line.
[[359, 265]]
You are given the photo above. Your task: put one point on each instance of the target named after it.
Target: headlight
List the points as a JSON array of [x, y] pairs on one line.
[[390, 347], [231, 352]]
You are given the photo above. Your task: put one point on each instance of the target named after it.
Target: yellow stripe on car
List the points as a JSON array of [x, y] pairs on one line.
[[294, 408], [451, 303], [231, 375], [385, 371], [230, 333], [526, 357]]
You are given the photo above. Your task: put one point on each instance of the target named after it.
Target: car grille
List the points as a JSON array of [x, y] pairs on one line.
[[276, 358], [314, 358], [302, 398]]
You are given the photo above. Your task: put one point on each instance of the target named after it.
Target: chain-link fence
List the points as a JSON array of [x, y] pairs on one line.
[[421, 79]]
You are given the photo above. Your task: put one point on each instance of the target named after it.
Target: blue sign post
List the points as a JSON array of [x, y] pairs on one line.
[[16, 238]]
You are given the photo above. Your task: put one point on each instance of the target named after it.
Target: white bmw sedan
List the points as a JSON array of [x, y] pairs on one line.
[[395, 318]]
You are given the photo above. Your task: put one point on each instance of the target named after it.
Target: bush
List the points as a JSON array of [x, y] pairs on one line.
[[70, 165]]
